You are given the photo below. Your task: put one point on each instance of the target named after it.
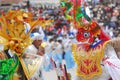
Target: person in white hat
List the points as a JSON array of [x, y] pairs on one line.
[[37, 40], [48, 54], [34, 54], [68, 54]]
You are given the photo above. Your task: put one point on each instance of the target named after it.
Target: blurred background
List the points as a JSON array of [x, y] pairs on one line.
[[105, 12]]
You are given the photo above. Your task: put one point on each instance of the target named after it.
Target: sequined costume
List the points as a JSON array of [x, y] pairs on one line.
[[18, 65]]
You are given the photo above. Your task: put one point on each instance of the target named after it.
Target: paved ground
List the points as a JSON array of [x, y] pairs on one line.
[[51, 75]]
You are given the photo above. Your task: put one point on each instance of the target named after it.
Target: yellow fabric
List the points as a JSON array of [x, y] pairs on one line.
[[87, 61], [24, 68], [30, 65]]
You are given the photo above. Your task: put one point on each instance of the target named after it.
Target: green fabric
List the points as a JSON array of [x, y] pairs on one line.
[[68, 17], [79, 15], [7, 68], [67, 5], [63, 4], [79, 12]]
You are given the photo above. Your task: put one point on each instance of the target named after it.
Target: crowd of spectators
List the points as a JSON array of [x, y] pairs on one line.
[[107, 15], [54, 14]]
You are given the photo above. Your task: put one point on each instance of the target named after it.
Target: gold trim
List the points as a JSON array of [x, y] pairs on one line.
[[24, 68], [81, 56], [36, 66]]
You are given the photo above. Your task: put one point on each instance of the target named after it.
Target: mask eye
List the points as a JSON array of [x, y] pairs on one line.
[[86, 34]]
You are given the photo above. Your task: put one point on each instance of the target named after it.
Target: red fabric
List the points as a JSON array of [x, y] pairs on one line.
[[104, 37], [53, 64], [81, 37], [65, 28], [78, 2], [59, 31], [91, 35], [110, 79]]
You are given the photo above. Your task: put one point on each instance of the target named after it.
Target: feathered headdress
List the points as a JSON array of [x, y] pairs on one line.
[[13, 30]]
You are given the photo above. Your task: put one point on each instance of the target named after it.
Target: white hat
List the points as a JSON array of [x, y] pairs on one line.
[[37, 36]]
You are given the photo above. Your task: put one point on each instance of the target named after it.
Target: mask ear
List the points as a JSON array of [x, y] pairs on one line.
[[95, 29]]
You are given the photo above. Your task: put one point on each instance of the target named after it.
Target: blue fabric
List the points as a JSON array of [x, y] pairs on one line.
[[112, 24], [58, 57], [60, 35], [27, 30], [48, 67], [45, 38], [71, 33], [69, 59], [95, 45], [32, 34]]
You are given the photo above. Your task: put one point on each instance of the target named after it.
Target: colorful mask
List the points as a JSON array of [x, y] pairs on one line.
[[89, 51], [91, 34]]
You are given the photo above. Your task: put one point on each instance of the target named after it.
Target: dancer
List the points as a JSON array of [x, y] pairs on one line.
[[19, 64], [111, 60]]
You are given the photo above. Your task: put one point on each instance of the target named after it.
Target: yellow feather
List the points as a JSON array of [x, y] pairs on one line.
[[14, 30], [11, 30]]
